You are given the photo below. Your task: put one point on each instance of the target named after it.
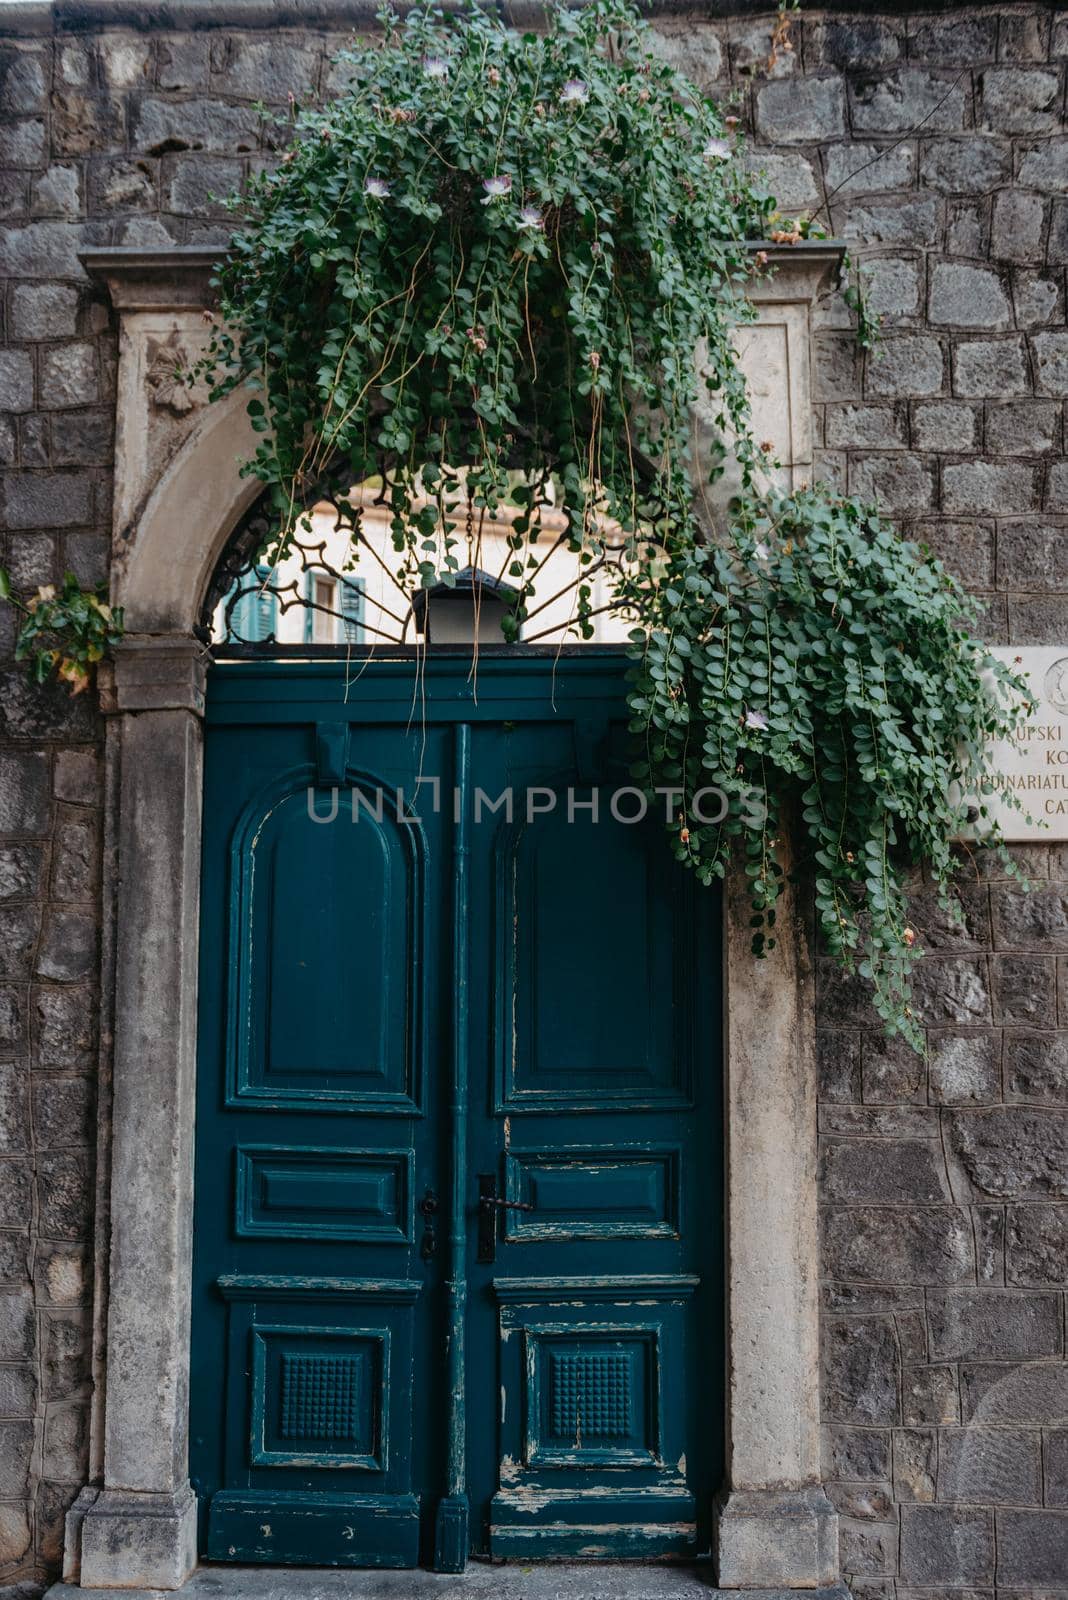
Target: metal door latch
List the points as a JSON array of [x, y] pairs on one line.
[[489, 1206]]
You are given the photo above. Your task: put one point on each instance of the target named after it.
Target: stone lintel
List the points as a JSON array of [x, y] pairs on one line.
[[774, 1538], [132, 1540], [173, 279], [179, 276], [44, 18], [800, 272], [160, 673]]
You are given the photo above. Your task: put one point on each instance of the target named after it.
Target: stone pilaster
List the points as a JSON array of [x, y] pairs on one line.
[[775, 1527], [139, 1529]]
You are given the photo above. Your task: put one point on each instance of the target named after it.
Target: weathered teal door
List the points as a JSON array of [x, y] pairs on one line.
[[458, 1217]]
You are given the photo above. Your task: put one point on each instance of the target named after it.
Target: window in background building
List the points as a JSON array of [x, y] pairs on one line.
[[352, 609], [320, 620], [253, 616], [335, 608]]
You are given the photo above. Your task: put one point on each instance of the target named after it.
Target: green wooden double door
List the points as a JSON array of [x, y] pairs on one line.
[[457, 1284]]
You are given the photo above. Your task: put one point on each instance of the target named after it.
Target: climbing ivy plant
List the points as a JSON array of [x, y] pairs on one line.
[[495, 255], [63, 632], [823, 676], [510, 268]]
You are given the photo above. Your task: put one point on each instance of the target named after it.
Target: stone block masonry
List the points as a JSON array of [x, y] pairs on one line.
[[937, 145]]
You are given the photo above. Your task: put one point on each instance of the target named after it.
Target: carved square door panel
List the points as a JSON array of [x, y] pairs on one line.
[[592, 1418]]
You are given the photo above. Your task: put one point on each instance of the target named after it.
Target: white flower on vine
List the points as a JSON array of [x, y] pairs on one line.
[[574, 92], [497, 188], [531, 217], [717, 150], [761, 551], [435, 66], [757, 720], [377, 188]]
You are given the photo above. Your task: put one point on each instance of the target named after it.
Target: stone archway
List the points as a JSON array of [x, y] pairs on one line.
[[179, 493]]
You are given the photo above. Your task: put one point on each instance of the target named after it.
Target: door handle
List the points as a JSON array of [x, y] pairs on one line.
[[489, 1206], [428, 1208]]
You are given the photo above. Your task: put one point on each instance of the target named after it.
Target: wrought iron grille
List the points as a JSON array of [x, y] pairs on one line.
[[351, 582]]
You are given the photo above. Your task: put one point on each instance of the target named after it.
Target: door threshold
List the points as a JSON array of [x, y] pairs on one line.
[[517, 1580]]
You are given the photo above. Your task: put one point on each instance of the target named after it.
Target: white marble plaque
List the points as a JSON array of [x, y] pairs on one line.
[[1034, 763]]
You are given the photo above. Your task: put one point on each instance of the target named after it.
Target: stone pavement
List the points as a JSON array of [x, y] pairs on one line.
[[481, 1581]]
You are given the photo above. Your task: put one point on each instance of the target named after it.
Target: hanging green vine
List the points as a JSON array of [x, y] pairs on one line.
[[496, 253], [481, 276], [820, 672]]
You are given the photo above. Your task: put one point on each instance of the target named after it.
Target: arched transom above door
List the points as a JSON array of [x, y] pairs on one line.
[[178, 456], [336, 577]]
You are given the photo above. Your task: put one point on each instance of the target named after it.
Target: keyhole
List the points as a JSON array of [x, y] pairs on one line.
[[428, 1207]]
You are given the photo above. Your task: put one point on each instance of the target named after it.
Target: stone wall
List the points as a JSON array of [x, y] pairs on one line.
[[940, 145]]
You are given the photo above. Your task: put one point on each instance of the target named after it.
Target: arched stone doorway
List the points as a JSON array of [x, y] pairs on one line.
[[179, 494]]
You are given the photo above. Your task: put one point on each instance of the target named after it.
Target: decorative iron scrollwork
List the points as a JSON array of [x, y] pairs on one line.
[[344, 564]]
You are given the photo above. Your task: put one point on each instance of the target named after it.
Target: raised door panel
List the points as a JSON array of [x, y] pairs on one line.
[[593, 966], [317, 1397], [319, 1378], [593, 1413], [325, 956], [592, 1396], [323, 1193], [603, 1192]]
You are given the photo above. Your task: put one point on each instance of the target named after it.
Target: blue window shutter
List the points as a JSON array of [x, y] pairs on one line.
[[352, 609], [309, 614], [254, 614], [264, 606]]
